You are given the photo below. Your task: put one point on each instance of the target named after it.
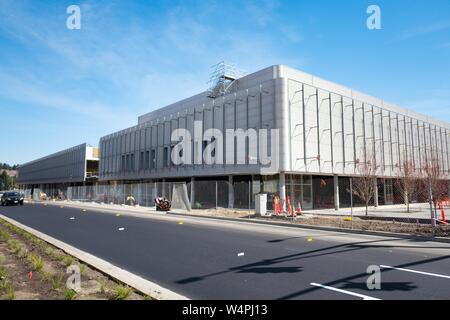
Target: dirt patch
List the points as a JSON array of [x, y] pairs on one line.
[[396, 225], [223, 212], [366, 224], [31, 269], [24, 288]]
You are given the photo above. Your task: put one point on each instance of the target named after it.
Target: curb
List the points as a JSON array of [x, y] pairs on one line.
[[145, 286], [332, 229]]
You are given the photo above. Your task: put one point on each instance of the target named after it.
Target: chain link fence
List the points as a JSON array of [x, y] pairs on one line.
[[238, 200], [208, 194]]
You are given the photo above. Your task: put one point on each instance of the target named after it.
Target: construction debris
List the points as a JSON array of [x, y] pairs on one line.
[[162, 204]]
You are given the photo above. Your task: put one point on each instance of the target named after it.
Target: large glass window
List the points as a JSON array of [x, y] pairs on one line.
[[323, 192], [299, 190], [132, 162], [153, 161], [389, 191], [141, 161], [270, 186], [147, 159], [166, 157]]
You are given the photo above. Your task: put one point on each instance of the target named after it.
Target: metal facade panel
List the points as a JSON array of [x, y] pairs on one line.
[[63, 167]]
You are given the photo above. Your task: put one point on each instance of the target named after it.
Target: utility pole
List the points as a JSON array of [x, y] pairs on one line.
[[430, 198], [351, 201]]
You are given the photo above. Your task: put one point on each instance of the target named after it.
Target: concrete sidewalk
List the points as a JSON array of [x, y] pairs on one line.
[[417, 211]]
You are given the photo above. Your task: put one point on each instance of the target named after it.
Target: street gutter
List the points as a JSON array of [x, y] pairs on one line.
[[321, 228]]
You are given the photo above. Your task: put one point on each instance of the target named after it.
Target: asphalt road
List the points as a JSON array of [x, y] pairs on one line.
[[202, 258]]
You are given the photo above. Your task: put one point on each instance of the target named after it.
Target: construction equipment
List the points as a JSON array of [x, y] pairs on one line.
[[162, 204]]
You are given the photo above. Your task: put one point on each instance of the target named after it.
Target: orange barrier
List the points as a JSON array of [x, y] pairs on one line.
[[289, 206], [443, 214], [299, 209], [276, 205]]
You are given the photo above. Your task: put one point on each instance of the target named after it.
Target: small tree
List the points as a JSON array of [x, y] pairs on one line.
[[408, 182], [3, 180], [366, 182], [435, 185], [7, 182]]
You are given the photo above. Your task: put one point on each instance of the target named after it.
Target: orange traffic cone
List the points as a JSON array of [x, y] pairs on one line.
[[443, 214], [299, 209], [275, 205], [289, 206]]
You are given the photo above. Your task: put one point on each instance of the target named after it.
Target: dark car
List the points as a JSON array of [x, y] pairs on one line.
[[11, 198]]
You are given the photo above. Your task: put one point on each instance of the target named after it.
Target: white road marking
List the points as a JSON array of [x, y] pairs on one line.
[[241, 254], [415, 271], [364, 297], [121, 229]]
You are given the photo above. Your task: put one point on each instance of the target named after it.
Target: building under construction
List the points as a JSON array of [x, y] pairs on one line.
[[325, 131], [53, 174]]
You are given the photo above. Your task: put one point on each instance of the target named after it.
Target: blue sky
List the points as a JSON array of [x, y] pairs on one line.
[[61, 87]]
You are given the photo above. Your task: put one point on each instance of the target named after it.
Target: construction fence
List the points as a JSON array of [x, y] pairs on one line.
[[205, 194]]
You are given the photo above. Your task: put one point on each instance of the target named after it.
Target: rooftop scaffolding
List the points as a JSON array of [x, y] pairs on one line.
[[222, 77]]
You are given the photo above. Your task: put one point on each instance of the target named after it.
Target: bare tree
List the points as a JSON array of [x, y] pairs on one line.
[[366, 182], [408, 182], [435, 185]]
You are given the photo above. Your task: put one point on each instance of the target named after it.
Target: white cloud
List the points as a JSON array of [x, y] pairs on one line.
[[37, 95], [262, 11], [425, 30], [138, 64], [292, 33]]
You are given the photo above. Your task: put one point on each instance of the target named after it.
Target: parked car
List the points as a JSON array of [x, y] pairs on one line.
[[12, 198]]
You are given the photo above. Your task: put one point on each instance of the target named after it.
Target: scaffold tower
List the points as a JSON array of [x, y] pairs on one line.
[[222, 77]]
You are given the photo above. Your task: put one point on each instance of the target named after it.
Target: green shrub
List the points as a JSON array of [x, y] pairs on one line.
[[69, 294], [14, 245], [68, 260], [121, 292], [36, 261], [197, 205], [57, 281]]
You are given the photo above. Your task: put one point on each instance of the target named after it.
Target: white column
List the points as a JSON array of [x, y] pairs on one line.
[[375, 193], [192, 192], [230, 192], [282, 190], [282, 123], [336, 192]]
